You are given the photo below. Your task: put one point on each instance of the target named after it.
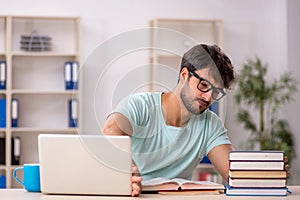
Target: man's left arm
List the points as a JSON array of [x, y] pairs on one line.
[[218, 156]]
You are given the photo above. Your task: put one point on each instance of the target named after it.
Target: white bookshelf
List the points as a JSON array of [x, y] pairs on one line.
[[36, 79]]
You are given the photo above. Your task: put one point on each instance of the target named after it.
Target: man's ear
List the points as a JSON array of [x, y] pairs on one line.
[[184, 74]]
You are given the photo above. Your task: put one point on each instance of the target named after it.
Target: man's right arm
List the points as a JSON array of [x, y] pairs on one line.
[[118, 124]]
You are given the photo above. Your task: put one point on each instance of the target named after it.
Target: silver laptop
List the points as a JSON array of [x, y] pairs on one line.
[[85, 164]]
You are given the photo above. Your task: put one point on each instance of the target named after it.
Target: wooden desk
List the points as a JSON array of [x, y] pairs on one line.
[[20, 194]]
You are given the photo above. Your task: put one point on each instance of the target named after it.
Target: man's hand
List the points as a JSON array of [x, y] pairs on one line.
[[136, 181], [286, 167]]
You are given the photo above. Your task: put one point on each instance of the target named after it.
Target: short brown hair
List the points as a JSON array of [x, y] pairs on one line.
[[202, 55]]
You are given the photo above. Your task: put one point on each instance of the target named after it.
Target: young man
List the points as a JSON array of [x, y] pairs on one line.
[[171, 132]]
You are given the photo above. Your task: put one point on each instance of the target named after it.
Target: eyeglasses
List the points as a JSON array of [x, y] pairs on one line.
[[205, 86]]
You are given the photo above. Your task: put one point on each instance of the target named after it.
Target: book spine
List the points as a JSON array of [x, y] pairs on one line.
[[257, 174], [257, 183], [256, 155], [256, 165]]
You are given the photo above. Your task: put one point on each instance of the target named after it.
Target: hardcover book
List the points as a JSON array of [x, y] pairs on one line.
[[257, 183], [257, 174], [256, 191], [253, 165], [256, 155]]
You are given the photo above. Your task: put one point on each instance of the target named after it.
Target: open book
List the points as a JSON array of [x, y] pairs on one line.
[[164, 184]]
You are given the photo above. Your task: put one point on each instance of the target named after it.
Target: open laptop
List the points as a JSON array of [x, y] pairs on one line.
[[85, 164]]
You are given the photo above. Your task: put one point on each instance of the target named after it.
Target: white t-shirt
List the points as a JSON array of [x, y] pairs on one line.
[[160, 150]]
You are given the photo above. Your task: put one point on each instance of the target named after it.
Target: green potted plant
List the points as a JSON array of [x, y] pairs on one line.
[[259, 104]]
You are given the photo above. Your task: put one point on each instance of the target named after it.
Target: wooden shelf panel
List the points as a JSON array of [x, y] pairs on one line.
[[46, 130], [55, 18], [2, 167], [2, 36], [169, 20], [205, 166], [44, 54], [44, 92]]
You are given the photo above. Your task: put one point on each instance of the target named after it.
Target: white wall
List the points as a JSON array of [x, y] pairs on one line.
[[293, 109], [251, 27]]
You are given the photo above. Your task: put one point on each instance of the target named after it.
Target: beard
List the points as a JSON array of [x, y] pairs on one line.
[[191, 103]]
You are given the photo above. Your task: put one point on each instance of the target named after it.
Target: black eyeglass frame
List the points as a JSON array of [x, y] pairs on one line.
[[216, 90]]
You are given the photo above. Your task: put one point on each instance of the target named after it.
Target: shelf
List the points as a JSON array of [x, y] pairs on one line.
[[165, 56], [2, 36], [186, 21], [43, 54], [205, 166], [61, 30], [44, 92], [54, 18], [2, 167], [41, 130], [14, 167]]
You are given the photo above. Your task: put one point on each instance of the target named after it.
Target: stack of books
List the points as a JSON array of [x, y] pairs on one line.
[[257, 173]]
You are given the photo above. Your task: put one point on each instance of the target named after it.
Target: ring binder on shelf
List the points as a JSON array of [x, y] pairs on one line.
[[2, 181], [71, 75], [16, 150], [14, 112], [73, 113], [2, 113], [2, 75], [2, 150], [75, 68], [68, 75], [215, 107]]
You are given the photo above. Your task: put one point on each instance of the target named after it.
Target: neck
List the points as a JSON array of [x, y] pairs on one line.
[[174, 112]]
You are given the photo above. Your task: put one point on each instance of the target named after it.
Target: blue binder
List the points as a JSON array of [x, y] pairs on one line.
[[215, 107], [68, 75], [2, 75], [73, 113], [75, 71], [2, 181], [71, 75], [2, 113], [14, 112]]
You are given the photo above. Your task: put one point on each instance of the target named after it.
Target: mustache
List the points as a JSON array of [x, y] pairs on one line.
[[199, 99]]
